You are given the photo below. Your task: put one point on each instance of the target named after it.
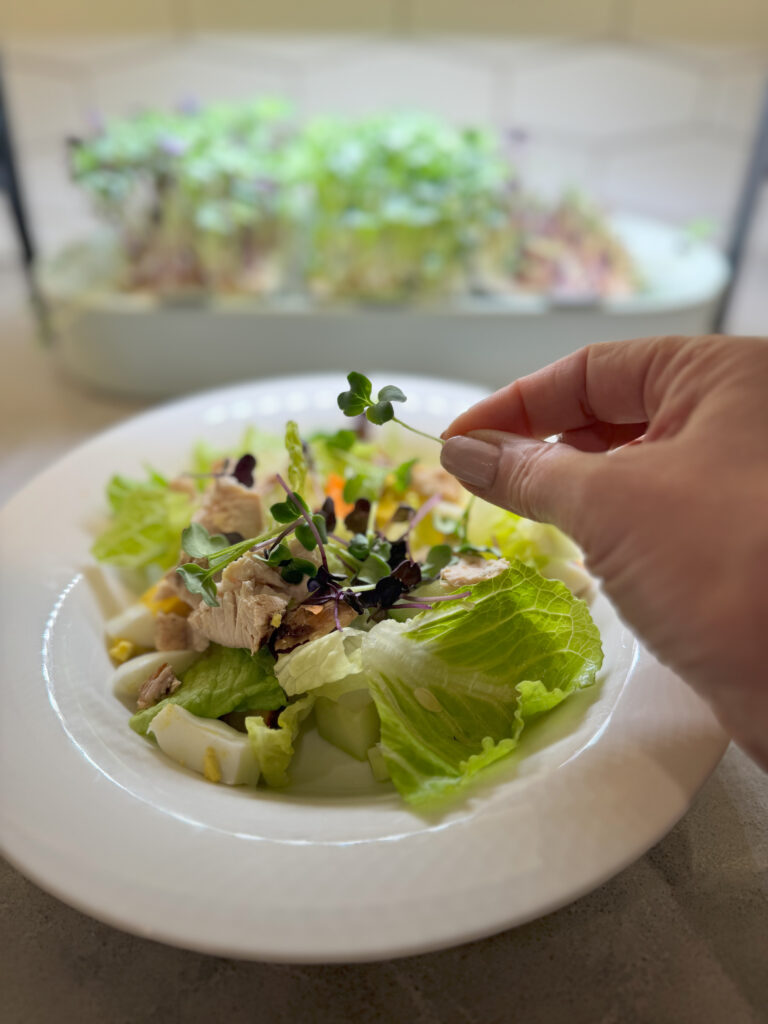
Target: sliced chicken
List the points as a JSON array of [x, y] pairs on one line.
[[472, 569], [310, 622], [265, 579], [174, 633], [160, 684], [244, 617], [228, 507], [429, 480]]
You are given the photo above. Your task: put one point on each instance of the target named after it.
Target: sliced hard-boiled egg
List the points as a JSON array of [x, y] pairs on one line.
[[136, 624], [216, 750]]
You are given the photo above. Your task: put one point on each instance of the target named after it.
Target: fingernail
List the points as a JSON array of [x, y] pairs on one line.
[[472, 461]]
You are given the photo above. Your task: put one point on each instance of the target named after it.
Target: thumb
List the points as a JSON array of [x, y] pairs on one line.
[[536, 479]]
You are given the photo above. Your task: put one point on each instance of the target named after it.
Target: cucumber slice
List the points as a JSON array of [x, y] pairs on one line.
[[350, 723]]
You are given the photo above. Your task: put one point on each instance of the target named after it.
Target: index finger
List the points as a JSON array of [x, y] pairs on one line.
[[611, 382]]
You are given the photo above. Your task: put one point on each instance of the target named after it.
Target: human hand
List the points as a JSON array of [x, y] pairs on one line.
[[661, 476]]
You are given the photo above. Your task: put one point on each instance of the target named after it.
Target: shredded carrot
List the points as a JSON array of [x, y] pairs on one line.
[[334, 488]]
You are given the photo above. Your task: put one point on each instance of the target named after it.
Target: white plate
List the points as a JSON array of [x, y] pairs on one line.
[[336, 868]]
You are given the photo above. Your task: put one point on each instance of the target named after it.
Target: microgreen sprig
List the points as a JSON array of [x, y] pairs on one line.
[[359, 400]]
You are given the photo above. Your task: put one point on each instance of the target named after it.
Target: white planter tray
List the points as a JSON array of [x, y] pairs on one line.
[[132, 344]]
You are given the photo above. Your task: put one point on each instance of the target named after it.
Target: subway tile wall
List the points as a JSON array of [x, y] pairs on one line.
[[654, 127]]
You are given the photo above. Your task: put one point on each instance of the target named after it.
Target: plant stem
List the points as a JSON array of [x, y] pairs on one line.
[[422, 433]]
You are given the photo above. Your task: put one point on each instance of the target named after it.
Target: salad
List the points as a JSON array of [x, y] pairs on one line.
[[341, 578]]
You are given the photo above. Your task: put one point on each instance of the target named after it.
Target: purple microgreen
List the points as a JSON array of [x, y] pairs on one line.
[[383, 595], [356, 521], [424, 510], [336, 618], [402, 514], [398, 552], [409, 574], [243, 471], [373, 569], [328, 512]]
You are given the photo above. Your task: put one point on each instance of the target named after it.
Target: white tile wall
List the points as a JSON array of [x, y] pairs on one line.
[[658, 128]]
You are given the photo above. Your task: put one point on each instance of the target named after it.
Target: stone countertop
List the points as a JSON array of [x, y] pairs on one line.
[[680, 936]]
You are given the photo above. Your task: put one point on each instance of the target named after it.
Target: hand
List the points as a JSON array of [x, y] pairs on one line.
[[661, 476]]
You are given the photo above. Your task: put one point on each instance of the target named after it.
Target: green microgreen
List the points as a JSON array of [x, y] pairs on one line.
[[359, 399]]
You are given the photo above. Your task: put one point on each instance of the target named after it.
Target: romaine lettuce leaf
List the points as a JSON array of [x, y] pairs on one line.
[[225, 679], [533, 543], [273, 748], [147, 519], [333, 663], [454, 687]]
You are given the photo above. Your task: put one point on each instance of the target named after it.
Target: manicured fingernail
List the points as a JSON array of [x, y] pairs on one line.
[[472, 461]]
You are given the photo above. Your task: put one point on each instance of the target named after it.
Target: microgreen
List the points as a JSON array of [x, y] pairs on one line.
[[359, 399]]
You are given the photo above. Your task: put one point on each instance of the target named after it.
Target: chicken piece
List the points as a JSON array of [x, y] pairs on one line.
[[161, 683], [228, 507], [174, 633], [244, 617], [472, 569], [184, 485], [265, 579], [310, 622]]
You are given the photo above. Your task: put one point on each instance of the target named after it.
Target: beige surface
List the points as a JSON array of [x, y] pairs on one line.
[[677, 938], [714, 21]]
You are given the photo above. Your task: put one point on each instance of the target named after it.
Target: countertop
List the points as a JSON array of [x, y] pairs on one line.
[[680, 936]]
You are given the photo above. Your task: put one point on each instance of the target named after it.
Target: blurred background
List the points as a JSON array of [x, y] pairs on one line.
[[294, 179]]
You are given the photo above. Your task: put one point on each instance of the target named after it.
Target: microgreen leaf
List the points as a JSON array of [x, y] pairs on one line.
[[321, 522], [390, 393], [197, 581], [280, 553], [437, 558], [198, 543], [358, 547], [373, 569], [402, 475], [379, 413], [306, 537], [360, 385]]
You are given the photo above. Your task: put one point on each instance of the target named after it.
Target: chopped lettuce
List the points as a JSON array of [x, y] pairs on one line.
[[455, 687], [225, 679], [332, 663], [273, 748], [297, 462], [147, 519], [533, 543]]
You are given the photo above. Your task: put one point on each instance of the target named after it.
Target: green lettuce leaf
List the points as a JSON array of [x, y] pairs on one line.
[[273, 748], [225, 679], [533, 543], [147, 519], [333, 663], [454, 688]]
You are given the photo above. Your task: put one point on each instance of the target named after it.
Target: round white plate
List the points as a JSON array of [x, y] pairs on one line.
[[335, 868]]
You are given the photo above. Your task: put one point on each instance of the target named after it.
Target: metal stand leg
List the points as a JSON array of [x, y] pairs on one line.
[[10, 182], [756, 177]]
